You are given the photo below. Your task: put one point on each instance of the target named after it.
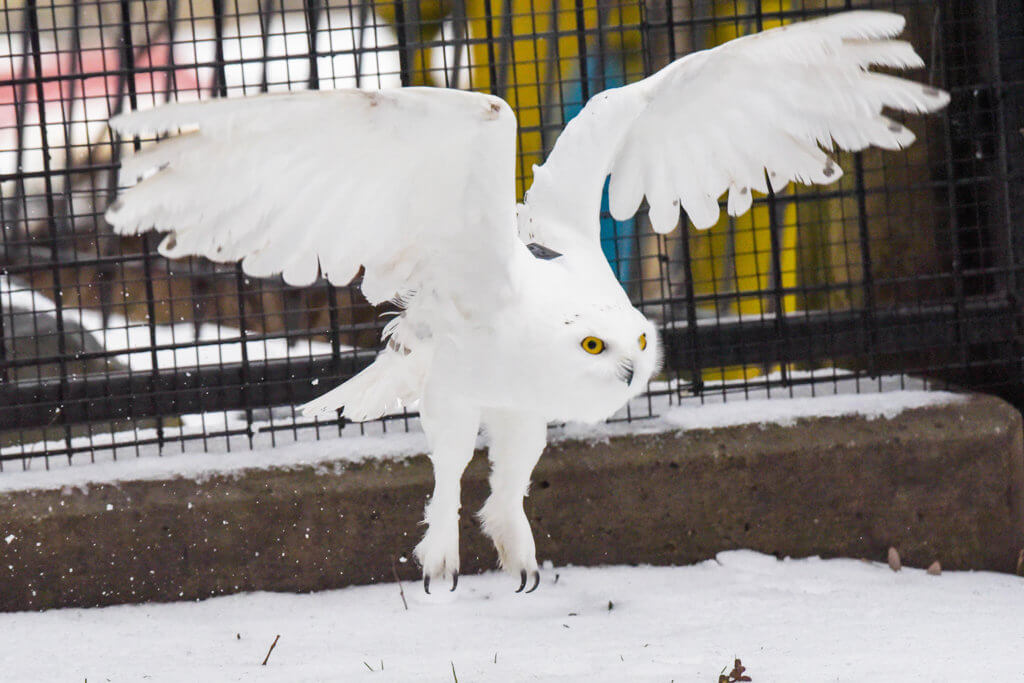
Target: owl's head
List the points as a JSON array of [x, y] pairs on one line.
[[610, 351], [586, 350]]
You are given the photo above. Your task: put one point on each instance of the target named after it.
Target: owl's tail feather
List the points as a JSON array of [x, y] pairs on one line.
[[392, 382]]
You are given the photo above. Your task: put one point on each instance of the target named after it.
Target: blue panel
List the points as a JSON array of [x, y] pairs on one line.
[[617, 237]]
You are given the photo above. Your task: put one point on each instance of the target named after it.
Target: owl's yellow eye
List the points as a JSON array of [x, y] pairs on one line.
[[592, 345], [642, 341]]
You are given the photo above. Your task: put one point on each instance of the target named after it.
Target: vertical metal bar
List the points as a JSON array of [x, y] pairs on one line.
[[172, 66], [459, 41], [4, 370], [670, 23], [58, 294], [954, 218], [128, 69], [602, 61], [646, 47], [581, 46], [312, 24], [20, 102], [76, 20], [266, 16], [868, 316], [357, 45], [781, 328], [550, 130], [401, 33], [697, 381], [333, 313], [1013, 293], [221, 90], [312, 8], [220, 86], [506, 56], [492, 67]]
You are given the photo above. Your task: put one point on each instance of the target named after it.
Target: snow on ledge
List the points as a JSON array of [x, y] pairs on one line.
[[674, 414], [786, 412]]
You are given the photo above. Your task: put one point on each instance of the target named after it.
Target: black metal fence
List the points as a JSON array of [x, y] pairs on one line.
[[910, 266]]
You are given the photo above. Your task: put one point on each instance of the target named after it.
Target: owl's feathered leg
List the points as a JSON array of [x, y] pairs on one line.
[[451, 430], [516, 442]]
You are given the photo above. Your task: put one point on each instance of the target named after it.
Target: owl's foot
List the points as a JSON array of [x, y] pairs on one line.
[[426, 582], [510, 530], [438, 554], [522, 581]]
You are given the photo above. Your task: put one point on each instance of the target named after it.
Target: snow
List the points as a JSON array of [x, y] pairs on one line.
[[131, 341], [786, 412], [884, 398], [790, 620]]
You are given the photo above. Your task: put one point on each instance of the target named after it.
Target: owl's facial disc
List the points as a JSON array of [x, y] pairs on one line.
[[620, 350], [606, 352]]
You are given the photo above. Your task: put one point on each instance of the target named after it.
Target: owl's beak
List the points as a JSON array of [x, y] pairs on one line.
[[626, 371]]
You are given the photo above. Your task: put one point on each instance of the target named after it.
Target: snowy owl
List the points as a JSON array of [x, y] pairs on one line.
[[511, 316]]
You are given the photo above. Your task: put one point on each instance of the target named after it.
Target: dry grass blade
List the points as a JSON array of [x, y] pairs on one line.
[[401, 592], [265, 659]]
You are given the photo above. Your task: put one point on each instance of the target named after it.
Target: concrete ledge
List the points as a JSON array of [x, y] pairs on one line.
[[943, 482]]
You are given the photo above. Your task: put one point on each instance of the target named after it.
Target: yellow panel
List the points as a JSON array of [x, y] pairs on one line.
[[751, 237]]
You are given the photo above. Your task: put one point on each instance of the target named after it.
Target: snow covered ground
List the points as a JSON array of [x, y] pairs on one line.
[[789, 621]]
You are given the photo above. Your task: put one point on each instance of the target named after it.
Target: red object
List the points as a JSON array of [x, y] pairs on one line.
[[95, 77]]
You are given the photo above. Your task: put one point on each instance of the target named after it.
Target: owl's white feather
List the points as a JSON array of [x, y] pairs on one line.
[[256, 179], [715, 121], [416, 187]]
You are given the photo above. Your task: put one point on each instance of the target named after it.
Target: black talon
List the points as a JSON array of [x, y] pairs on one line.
[[522, 583], [426, 584], [455, 580], [536, 582]]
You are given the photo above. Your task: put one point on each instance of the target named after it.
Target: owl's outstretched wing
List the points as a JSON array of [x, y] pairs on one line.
[[719, 119], [415, 185]]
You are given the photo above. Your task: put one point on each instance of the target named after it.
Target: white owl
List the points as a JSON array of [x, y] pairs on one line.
[[512, 317]]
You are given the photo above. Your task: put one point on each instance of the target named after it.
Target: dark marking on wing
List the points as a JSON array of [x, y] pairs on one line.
[[542, 252]]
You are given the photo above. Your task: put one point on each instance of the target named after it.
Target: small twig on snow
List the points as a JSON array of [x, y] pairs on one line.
[[276, 638], [367, 666], [453, 672], [401, 592]]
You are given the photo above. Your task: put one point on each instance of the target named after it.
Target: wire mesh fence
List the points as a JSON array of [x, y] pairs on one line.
[[910, 266]]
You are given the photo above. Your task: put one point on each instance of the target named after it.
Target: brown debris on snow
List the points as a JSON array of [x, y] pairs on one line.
[[735, 675], [894, 559]]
